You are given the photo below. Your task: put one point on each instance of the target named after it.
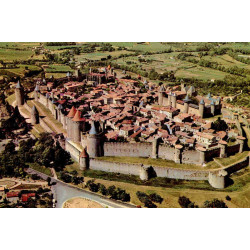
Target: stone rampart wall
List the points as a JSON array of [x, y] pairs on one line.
[[127, 149], [42, 99], [191, 157], [74, 152], [45, 126], [231, 150], [237, 166], [166, 152], [134, 169]]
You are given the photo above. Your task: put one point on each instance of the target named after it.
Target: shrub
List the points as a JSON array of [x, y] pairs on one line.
[[215, 203], [186, 203], [228, 198], [103, 189], [150, 204], [156, 198]]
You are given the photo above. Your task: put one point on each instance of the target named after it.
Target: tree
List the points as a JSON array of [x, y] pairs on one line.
[[186, 203], [156, 198], [10, 147], [103, 189], [219, 125]]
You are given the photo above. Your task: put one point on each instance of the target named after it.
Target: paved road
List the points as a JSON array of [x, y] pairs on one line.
[[63, 192]]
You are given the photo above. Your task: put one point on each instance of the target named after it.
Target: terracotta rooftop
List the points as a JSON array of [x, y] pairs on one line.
[[72, 112]]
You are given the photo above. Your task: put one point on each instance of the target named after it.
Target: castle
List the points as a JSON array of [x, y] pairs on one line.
[[106, 116]]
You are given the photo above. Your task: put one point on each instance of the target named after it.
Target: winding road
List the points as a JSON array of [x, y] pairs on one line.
[[63, 192]]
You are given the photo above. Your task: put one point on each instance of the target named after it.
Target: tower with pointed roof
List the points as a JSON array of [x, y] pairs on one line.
[[34, 116], [93, 142], [160, 94], [84, 160], [212, 105], [36, 90], [186, 103], [19, 92], [173, 100], [201, 108], [70, 116], [77, 122]]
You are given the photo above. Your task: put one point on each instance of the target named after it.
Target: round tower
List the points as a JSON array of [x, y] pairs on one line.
[[160, 94], [169, 99], [212, 105], [34, 115], [186, 104], [93, 142], [84, 160], [201, 108], [143, 173], [76, 125], [173, 100], [59, 113], [217, 179], [36, 90], [70, 115], [19, 92]]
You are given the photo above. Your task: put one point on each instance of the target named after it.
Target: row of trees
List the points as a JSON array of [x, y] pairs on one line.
[[149, 200], [185, 202], [112, 191]]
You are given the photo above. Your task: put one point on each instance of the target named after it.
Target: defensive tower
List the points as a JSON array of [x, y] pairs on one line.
[[19, 92]]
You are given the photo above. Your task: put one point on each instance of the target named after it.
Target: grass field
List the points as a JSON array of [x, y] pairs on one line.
[[57, 68], [41, 169], [9, 55]]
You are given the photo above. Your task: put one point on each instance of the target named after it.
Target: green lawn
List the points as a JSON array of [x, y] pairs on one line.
[[58, 68], [9, 55], [41, 169]]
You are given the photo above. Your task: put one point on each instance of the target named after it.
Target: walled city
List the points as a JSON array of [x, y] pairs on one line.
[[104, 115]]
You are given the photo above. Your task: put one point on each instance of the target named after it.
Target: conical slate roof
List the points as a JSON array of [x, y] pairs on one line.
[[93, 129], [37, 88], [72, 112], [60, 107], [212, 102], [18, 86], [209, 95], [202, 101], [162, 88], [77, 116], [186, 99]]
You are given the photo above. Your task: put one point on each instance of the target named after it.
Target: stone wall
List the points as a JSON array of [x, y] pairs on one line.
[[42, 99], [127, 149], [191, 157], [231, 150], [166, 152], [74, 152], [45, 126], [212, 153], [134, 169], [237, 166]]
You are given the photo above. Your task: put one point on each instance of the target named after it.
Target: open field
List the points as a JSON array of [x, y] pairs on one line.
[[9, 55], [57, 68]]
